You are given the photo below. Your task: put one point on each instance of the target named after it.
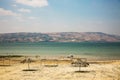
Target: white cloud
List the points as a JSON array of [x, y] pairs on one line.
[[25, 19], [21, 18], [2, 21], [4, 12], [32, 17], [14, 5], [33, 3], [24, 10], [9, 15]]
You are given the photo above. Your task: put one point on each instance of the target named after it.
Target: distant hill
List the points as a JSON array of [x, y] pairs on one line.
[[59, 37]]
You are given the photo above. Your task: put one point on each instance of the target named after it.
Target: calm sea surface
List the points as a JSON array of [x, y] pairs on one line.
[[59, 48]]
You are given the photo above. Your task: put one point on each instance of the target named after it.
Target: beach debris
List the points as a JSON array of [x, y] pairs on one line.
[[37, 56], [70, 56]]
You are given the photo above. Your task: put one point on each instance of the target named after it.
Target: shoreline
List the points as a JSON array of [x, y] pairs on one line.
[[60, 59], [89, 57]]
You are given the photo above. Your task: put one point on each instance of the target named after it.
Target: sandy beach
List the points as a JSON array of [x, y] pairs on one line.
[[97, 70]]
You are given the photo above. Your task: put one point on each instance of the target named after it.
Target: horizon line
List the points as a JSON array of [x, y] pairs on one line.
[[60, 32]]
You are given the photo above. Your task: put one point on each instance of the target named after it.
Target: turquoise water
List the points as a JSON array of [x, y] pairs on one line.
[[59, 48]]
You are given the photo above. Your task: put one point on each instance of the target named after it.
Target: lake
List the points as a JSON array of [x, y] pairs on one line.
[[62, 48]]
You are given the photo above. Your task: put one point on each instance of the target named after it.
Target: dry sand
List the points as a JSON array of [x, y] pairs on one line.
[[97, 70]]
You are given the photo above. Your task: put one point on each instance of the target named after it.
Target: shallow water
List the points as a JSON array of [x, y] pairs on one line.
[[60, 48]]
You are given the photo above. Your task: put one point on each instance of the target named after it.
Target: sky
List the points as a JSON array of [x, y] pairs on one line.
[[60, 16]]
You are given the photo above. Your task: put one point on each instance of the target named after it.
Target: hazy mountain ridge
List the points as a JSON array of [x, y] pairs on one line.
[[59, 37]]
